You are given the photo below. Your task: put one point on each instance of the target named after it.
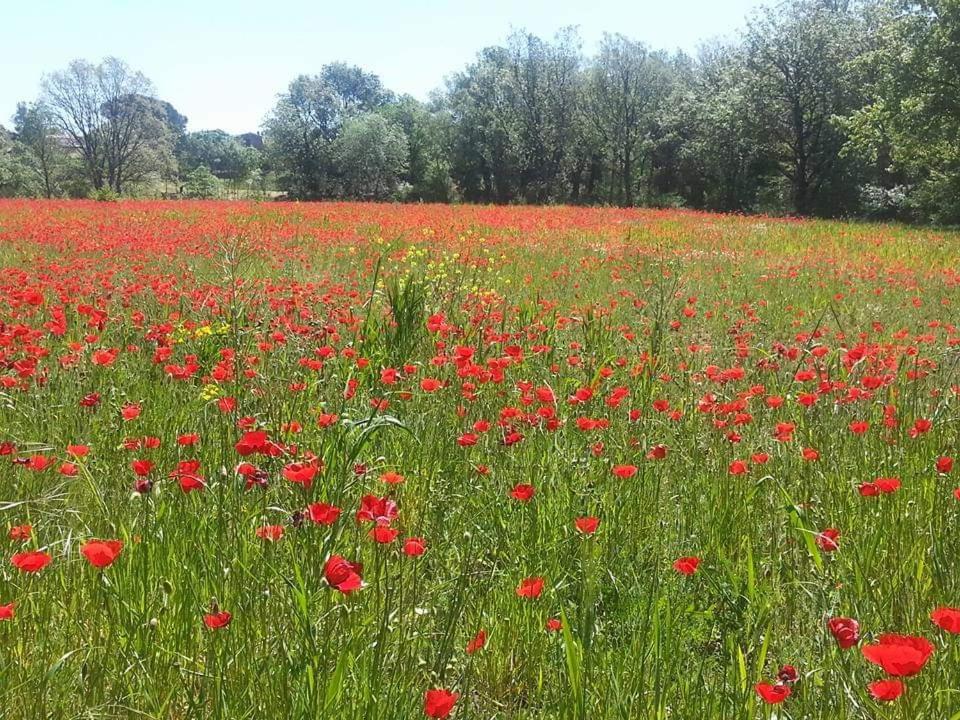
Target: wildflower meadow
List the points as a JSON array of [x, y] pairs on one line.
[[352, 460]]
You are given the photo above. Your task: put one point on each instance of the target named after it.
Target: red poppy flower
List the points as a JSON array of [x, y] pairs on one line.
[[384, 534], [686, 565], [379, 510], [322, 513], [300, 473], [738, 467], [78, 451], [554, 625], [944, 465], [477, 643], [947, 618], [20, 532], [217, 620], [429, 385], [530, 587], [522, 492], [270, 533], [142, 467], [886, 690], [414, 547], [101, 553], [772, 694], [828, 539], [788, 674], [846, 631], [343, 574], [31, 562], [8, 611], [392, 478], [587, 525], [438, 703], [624, 471], [899, 655], [190, 483]]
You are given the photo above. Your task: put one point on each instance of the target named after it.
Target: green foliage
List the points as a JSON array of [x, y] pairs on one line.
[[201, 184], [370, 155]]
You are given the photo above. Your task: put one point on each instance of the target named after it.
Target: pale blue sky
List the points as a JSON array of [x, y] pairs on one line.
[[222, 63]]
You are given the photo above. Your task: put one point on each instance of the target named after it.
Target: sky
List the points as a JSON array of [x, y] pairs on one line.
[[222, 63]]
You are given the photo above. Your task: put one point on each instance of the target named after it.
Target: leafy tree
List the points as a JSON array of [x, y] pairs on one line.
[[224, 155], [626, 88], [371, 157], [308, 117], [201, 184], [17, 178], [38, 138], [909, 126], [797, 75]]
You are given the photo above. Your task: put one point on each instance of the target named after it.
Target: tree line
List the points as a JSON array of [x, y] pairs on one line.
[[818, 107]]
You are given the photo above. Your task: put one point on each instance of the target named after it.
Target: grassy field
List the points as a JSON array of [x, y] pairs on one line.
[[375, 461]]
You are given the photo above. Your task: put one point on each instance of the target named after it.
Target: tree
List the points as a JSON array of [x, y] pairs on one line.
[[427, 173], [626, 87], [224, 155], [110, 118], [16, 177], [797, 74], [201, 184], [371, 156], [38, 137], [307, 119], [908, 127]]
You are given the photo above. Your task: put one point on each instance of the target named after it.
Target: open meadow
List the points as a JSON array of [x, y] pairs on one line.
[[367, 461]]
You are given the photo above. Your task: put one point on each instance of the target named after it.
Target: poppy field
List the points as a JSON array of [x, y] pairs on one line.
[[382, 461]]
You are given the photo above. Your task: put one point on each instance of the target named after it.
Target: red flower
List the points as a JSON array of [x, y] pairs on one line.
[[827, 540], [477, 643], [772, 694], [392, 478], [947, 618], [217, 620], [587, 525], [624, 471], [384, 534], [846, 631], [944, 465], [343, 574], [379, 510], [322, 513], [254, 441], [300, 473], [657, 452], [130, 411], [522, 492], [429, 385], [31, 562], [101, 553], [554, 625], [439, 703], [530, 587], [271, 533], [189, 483], [8, 611], [886, 690], [738, 467], [142, 467], [20, 532], [899, 655], [414, 547], [686, 565]]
